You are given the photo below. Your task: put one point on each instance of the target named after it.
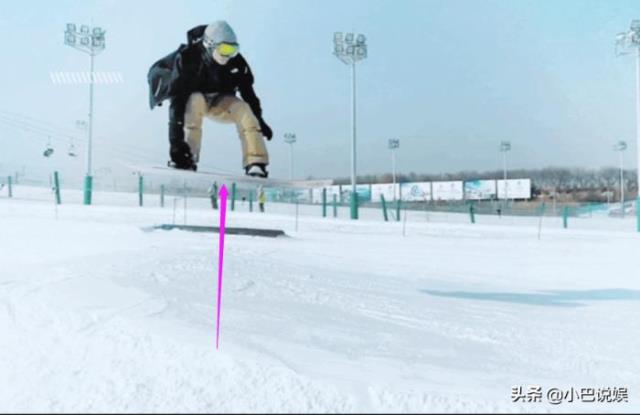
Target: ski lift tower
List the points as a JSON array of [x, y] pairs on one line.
[[91, 41], [351, 48], [626, 42]]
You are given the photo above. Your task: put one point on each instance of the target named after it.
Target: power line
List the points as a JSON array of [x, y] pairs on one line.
[[38, 127]]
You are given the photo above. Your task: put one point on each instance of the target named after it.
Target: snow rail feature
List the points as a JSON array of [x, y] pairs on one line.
[[268, 233]]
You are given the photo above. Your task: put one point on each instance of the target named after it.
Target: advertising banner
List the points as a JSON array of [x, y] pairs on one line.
[[316, 194], [515, 189], [301, 195], [385, 190], [273, 194], [447, 191], [480, 189], [363, 191], [416, 191]]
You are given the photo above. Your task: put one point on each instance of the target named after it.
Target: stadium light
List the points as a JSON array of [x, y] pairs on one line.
[[349, 38], [350, 49], [92, 41], [626, 42]]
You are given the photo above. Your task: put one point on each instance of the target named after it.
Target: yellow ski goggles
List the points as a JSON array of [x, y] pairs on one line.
[[228, 50]]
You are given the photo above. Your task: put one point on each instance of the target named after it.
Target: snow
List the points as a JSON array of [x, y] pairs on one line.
[[98, 313]]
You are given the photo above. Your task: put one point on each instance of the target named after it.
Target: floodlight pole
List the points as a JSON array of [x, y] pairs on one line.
[[630, 41], [354, 195], [504, 168], [92, 43], [394, 144], [290, 138], [621, 146], [350, 50], [638, 136], [393, 171], [622, 182], [290, 161], [88, 180], [504, 147]]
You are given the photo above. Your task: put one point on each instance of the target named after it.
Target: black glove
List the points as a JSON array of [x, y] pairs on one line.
[[180, 153], [266, 130]]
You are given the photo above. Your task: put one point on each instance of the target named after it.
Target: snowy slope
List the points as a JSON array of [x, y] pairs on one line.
[[99, 314]]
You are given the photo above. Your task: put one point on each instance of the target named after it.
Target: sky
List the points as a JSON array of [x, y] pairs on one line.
[[450, 79]]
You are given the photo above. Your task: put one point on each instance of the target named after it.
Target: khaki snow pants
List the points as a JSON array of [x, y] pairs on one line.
[[228, 109]]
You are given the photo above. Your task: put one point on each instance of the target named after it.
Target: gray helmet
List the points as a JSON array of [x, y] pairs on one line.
[[218, 32]]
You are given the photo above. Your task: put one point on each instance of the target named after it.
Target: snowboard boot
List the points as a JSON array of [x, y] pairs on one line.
[[257, 170], [179, 151], [181, 157]]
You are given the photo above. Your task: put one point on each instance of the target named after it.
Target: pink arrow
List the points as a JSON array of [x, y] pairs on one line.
[[223, 216]]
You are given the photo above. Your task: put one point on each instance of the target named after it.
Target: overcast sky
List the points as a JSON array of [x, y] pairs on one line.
[[450, 79]]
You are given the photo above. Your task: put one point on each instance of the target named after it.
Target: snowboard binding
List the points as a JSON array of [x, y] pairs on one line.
[[174, 165]]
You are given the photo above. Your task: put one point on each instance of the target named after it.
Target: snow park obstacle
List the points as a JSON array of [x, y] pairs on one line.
[[267, 233]]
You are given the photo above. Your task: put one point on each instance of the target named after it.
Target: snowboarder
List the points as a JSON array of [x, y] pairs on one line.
[[201, 79]]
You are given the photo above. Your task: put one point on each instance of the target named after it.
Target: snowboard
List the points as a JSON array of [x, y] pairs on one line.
[[226, 177]]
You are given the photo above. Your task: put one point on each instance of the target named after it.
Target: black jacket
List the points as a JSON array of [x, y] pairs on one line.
[[189, 69]]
